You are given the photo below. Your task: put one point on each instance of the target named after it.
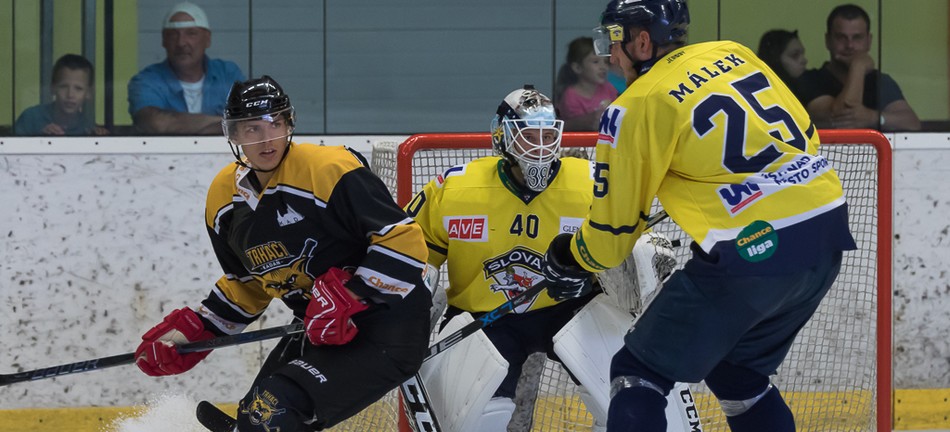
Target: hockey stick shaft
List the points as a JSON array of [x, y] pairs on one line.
[[128, 358], [419, 410], [493, 315], [418, 405]]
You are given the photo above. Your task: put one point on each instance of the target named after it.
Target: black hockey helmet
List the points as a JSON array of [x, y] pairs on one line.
[[256, 99], [665, 20], [257, 111]]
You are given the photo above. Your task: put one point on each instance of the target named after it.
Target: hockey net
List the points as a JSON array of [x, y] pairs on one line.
[[837, 375]]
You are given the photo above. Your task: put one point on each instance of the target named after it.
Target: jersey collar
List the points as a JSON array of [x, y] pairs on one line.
[[518, 190]]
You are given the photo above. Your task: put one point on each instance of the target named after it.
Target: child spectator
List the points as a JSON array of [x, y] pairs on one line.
[[72, 87], [783, 51], [582, 91]]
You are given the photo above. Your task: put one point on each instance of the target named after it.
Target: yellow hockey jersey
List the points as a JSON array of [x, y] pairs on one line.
[[322, 208], [493, 233], [726, 147]]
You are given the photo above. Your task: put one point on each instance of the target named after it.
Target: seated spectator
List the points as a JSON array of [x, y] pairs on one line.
[[71, 86], [783, 51], [186, 93], [582, 91], [848, 91]]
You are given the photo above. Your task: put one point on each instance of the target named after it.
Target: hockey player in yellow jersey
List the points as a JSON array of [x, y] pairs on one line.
[[733, 157], [313, 227], [491, 219]]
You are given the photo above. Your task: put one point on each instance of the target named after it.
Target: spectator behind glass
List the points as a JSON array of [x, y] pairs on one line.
[[72, 87], [582, 90], [847, 91], [186, 93], [783, 51]]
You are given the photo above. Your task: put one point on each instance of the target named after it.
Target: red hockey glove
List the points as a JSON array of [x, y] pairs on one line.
[[327, 320], [157, 354]]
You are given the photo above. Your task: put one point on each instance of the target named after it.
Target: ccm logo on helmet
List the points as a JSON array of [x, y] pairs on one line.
[[467, 228], [263, 103]]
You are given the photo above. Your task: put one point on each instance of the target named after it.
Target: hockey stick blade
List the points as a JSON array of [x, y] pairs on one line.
[[129, 358], [213, 419]]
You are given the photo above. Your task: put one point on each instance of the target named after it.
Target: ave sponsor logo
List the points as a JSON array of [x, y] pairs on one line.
[[467, 228], [610, 125], [738, 197]]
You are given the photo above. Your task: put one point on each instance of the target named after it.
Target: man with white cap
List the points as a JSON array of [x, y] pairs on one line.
[[186, 93]]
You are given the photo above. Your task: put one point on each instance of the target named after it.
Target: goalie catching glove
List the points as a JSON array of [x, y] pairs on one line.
[[327, 320], [566, 279], [158, 355], [655, 260]]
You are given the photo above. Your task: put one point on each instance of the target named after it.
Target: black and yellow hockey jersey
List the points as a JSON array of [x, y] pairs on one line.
[[322, 208], [493, 233]]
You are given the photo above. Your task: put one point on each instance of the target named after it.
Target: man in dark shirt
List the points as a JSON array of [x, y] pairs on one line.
[[847, 91]]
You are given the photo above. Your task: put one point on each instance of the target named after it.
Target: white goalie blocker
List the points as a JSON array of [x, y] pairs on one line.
[[462, 380], [588, 342]]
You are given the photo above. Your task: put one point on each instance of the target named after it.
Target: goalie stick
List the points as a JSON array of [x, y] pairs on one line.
[[493, 315], [128, 358], [418, 408]]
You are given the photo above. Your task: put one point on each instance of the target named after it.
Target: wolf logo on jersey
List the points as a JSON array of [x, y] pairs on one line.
[[290, 279], [513, 273]]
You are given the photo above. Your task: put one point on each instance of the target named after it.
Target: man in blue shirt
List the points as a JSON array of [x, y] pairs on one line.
[[186, 93]]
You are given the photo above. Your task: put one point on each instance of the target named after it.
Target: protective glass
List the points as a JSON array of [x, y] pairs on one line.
[[263, 128], [535, 145], [605, 36]]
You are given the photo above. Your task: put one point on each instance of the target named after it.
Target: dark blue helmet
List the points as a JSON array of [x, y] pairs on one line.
[[665, 20]]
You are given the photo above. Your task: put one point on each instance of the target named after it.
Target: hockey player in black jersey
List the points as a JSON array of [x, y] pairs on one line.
[[312, 226]]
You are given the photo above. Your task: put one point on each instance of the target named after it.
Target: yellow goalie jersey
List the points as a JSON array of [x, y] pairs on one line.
[[729, 151], [493, 234]]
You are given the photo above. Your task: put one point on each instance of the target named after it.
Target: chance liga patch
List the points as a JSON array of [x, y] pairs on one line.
[[757, 242]]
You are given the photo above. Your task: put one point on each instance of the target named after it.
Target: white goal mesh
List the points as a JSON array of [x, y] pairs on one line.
[[837, 376]]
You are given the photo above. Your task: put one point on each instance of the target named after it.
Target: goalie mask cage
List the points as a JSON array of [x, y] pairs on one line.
[[837, 376]]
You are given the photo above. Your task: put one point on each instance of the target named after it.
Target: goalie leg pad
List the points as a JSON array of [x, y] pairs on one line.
[[462, 380], [496, 415], [600, 418], [586, 344]]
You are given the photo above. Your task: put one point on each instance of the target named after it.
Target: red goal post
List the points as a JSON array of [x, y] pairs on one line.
[[839, 373]]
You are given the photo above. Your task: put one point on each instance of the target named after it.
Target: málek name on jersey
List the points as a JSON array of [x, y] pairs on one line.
[[804, 168]]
